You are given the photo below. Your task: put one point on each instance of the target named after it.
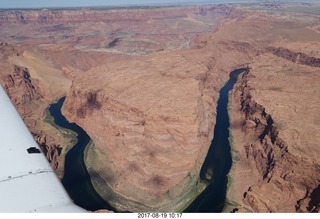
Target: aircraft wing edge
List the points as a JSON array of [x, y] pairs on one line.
[[27, 182]]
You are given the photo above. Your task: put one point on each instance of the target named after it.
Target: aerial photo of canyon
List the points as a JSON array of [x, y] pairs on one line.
[[205, 106]]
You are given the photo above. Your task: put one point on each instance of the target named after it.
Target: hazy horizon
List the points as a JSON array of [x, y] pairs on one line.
[[7, 4], [96, 3], [89, 3]]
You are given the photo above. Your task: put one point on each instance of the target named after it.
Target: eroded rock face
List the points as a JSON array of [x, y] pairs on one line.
[[111, 34], [51, 150], [157, 114], [107, 15], [151, 117], [16, 80], [261, 124], [23, 94], [149, 134], [296, 57], [28, 100], [284, 180], [151, 120], [19, 86]]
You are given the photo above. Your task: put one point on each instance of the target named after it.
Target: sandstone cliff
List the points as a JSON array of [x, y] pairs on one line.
[[51, 150], [155, 173], [108, 31], [106, 14], [296, 57], [28, 99], [19, 86], [277, 173], [151, 120], [152, 116]]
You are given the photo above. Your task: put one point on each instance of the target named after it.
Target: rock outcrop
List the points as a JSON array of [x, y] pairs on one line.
[[284, 180], [296, 57], [19, 86], [144, 87], [152, 121], [30, 103], [111, 33], [164, 121], [60, 17], [262, 125], [150, 137], [24, 95], [51, 150]]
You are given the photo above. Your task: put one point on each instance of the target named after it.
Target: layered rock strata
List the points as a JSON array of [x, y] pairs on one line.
[[109, 15], [152, 122], [152, 116], [274, 170], [296, 57], [31, 103]]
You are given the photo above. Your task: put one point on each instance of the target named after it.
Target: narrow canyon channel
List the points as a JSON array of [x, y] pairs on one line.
[[214, 171], [76, 179], [218, 162]]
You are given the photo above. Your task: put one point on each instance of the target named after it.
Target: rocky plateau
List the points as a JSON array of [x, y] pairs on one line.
[[144, 84]]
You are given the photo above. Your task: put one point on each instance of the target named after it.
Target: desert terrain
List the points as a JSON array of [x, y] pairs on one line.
[[144, 84]]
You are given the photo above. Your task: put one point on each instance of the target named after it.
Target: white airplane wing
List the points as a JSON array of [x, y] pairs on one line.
[[27, 182]]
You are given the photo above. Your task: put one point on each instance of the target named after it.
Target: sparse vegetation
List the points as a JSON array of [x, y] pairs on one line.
[[67, 133]]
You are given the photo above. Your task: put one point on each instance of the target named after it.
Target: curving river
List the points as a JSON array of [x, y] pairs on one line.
[[76, 179], [218, 162]]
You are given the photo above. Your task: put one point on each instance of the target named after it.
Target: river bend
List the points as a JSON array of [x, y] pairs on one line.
[[214, 171]]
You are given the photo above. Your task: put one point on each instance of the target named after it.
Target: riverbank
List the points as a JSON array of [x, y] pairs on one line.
[[66, 138], [213, 170], [237, 178], [96, 180], [76, 179], [210, 171], [240, 176], [218, 161], [275, 138], [122, 203]]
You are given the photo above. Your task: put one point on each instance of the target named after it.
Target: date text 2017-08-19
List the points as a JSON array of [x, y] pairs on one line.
[[159, 215]]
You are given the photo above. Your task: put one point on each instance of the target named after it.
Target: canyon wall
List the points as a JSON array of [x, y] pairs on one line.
[[296, 57], [144, 83], [111, 33], [119, 15], [274, 126], [157, 114], [30, 101], [152, 121]]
